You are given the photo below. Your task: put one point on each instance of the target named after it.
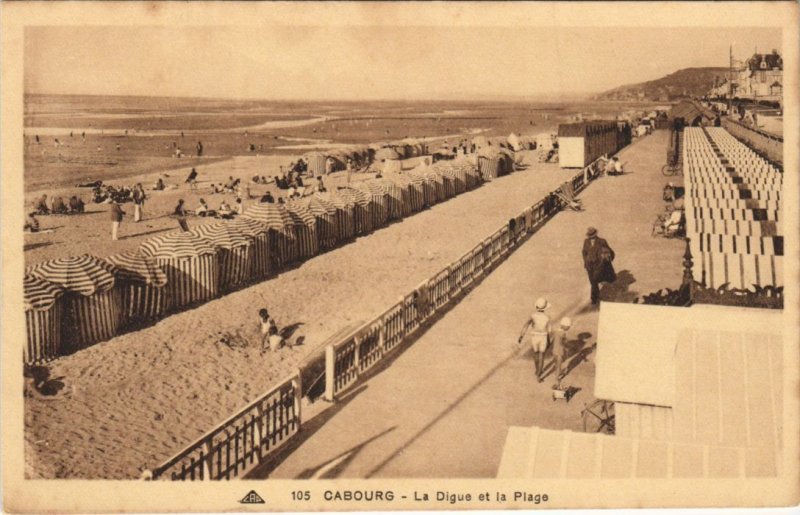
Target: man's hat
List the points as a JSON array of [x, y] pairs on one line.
[[541, 304], [590, 232], [566, 323]]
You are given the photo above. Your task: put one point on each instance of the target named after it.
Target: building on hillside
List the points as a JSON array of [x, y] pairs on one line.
[[760, 78]]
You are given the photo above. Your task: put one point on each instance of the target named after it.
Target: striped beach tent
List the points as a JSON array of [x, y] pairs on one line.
[[260, 252], [456, 174], [428, 185], [316, 162], [381, 194], [325, 215], [345, 213], [234, 251], [366, 212], [283, 243], [415, 190], [442, 186], [191, 264], [141, 282], [401, 203], [43, 317], [92, 306], [305, 229]]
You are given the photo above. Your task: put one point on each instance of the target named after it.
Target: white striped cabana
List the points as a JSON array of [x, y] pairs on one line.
[[191, 264], [316, 162], [401, 205], [415, 190], [325, 215], [43, 317], [456, 173], [379, 197], [345, 213], [141, 281], [428, 186], [366, 213], [234, 252], [92, 306], [283, 243], [260, 252], [437, 181], [305, 229]]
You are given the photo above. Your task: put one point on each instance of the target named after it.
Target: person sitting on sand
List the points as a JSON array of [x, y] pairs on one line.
[[225, 210], [320, 185], [281, 201], [267, 198], [269, 331], [264, 180], [202, 209], [238, 207], [95, 184], [41, 206], [76, 204], [159, 185], [256, 179], [31, 223]]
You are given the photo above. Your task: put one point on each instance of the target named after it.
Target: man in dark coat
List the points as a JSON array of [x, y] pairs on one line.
[[597, 258]]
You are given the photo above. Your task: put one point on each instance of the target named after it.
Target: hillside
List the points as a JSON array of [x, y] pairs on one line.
[[687, 82]]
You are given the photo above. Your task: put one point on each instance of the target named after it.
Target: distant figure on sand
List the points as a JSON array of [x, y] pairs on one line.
[[180, 215], [597, 260], [320, 185], [225, 210], [269, 331], [539, 323], [138, 202], [159, 185], [192, 179], [76, 204], [116, 218], [267, 198], [59, 208], [199, 149], [31, 223], [41, 206]]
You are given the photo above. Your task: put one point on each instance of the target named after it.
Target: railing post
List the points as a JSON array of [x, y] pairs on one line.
[[382, 335], [688, 276], [330, 372], [357, 354], [207, 447], [297, 385]]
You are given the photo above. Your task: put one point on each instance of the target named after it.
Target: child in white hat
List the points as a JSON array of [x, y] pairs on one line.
[[539, 323]]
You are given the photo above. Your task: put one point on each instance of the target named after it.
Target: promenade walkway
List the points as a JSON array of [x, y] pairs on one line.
[[442, 408]]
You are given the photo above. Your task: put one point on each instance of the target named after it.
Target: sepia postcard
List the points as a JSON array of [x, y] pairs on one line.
[[399, 256]]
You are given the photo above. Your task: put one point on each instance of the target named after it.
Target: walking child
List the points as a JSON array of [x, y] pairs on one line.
[[539, 322], [559, 339]]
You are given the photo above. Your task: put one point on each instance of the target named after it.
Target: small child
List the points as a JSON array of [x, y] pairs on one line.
[[269, 331], [559, 339]]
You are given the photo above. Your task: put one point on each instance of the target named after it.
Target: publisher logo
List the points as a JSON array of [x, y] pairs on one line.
[[252, 498]]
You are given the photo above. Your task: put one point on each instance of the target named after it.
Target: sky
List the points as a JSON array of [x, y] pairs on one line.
[[369, 62]]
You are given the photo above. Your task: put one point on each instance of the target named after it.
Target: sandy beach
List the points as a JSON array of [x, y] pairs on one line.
[[131, 402]]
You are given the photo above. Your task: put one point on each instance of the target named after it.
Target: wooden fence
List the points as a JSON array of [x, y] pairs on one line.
[[242, 441]]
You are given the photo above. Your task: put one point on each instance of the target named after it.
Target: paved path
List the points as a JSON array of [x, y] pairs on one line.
[[443, 407]]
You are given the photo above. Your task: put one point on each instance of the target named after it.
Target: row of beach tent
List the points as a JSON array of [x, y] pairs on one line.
[[74, 302]]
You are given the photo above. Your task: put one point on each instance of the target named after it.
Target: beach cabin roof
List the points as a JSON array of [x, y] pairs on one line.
[[705, 362], [84, 274]]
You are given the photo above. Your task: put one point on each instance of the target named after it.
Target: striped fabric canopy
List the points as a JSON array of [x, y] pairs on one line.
[[138, 267], [222, 235], [178, 244], [40, 295], [355, 196], [333, 198], [301, 214], [249, 227], [319, 207], [80, 274], [274, 216], [430, 173]]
